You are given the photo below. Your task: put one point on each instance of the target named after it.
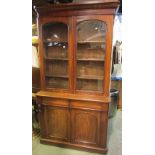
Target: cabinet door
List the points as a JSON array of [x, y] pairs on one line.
[[90, 55], [55, 54], [85, 127], [55, 123]]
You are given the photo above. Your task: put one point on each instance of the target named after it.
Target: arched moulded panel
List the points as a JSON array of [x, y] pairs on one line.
[[57, 122], [86, 127]]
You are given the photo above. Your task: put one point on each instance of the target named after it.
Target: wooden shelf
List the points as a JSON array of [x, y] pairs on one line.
[[83, 42], [90, 59], [46, 41], [59, 59], [88, 77], [91, 49], [56, 76], [80, 59]]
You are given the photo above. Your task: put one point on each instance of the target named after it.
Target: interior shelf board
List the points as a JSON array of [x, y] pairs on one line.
[[83, 42], [56, 76], [90, 77], [61, 59], [52, 41], [91, 49], [90, 59], [90, 91]]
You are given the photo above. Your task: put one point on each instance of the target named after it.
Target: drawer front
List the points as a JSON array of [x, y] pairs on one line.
[[93, 106], [55, 102]]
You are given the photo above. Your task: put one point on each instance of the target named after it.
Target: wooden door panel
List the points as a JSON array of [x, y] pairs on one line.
[[57, 122], [85, 127]]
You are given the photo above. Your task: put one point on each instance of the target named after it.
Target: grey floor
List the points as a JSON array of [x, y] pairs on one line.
[[114, 141]]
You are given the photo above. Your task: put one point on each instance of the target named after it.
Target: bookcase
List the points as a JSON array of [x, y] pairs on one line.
[[75, 49]]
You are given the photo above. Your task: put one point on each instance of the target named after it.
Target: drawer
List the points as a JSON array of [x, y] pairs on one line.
[[55, 102], [85, 105]]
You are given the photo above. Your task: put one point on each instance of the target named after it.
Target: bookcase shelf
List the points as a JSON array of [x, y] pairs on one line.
[[56, 59], [54, 42], [91, 42], [92, 77], [89, 59], [56, 76]]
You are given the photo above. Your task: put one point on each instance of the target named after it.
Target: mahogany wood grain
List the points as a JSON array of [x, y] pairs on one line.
[[41, 56], [103, 128], [56, 121], [85, 127], [74, 42], [81, 97], [77, 6], [57, 102], [70, 13], [73, 145], [85, 122], [71, 54]]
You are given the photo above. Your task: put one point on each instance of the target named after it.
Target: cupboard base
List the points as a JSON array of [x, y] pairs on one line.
[[91, 149]]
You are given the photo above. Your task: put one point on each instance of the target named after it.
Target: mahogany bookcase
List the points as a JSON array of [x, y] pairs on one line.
[[75, 49]]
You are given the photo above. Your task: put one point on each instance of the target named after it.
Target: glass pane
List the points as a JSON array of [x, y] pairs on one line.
[[90, 55], [55, 43]]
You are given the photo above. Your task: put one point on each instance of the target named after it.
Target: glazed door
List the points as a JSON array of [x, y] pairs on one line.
[[56, 54], [91, 54]]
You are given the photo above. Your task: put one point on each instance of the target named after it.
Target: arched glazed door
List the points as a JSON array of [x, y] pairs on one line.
[[55, 47], [90, 55]]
